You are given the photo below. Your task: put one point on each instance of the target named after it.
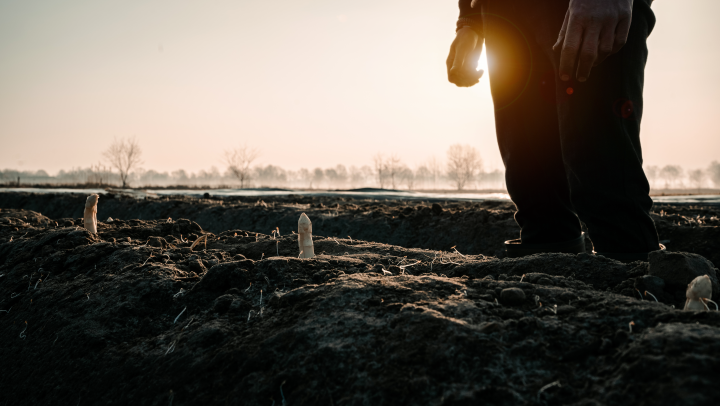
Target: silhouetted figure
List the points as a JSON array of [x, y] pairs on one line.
[[567, 81]]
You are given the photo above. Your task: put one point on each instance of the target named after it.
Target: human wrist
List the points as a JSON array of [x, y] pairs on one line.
[[465, 22]]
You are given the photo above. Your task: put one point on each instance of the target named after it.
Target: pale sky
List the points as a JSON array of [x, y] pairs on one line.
[[311, 83]]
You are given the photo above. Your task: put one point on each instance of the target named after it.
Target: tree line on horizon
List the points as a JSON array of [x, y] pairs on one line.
[[461, 170]]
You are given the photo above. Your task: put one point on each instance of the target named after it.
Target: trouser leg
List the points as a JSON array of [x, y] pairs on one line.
[[583, 143], [600, 139], [523, 89]]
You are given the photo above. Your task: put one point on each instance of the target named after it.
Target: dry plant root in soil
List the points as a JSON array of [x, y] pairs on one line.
[[201, 309]]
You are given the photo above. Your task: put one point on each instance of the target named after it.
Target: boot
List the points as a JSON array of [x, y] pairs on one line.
[[627, 257], [516, 248]]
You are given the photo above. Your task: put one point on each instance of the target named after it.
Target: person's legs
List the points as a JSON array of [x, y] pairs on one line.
[[522, 80], [600, 138]]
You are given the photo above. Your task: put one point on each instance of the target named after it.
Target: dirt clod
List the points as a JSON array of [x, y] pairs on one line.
[[677, 269], [512, 296]]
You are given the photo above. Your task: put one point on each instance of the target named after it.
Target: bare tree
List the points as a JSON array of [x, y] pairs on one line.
[[409, 178], [433, 166], [380, 168], [671, 174], [360, 176], [463, 164], [651, 171], [239, 160], [395, 169], [124, 155], [714, 173], [422, 175], [304, 176], [697, 177], [337, 177], [98, 175], [318, 177]]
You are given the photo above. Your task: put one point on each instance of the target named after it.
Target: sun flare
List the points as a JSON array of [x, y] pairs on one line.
[[482, 62]]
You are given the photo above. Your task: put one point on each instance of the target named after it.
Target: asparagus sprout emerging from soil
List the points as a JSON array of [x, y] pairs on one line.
[[408, 265], [456, 251], [653, 296], [202, 238], [305, 241], [91, 213], [632, 323], [708, 300], [276, 231], [699, 290], [641, 296]]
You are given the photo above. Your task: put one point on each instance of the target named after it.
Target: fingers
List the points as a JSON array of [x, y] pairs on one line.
[[563, 30], [590, 33], [462, 49], [570, 48], [605, 46], [465, 76], [470, 74], [461, 69], [450, 59], [475, 4], [588, 54], [621, 33]]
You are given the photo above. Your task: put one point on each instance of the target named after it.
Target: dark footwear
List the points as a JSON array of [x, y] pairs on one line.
[[516, 248], [627, 256]]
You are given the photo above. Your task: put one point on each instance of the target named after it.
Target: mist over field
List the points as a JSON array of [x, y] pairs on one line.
[[423, 177], [337, 177]]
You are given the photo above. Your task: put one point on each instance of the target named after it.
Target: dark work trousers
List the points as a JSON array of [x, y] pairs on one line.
[[570, 149]]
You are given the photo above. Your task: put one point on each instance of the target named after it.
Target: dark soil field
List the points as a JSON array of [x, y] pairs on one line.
[[405, 303]]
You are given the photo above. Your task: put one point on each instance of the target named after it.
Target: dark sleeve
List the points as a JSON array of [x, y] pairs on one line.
[[469, 16]]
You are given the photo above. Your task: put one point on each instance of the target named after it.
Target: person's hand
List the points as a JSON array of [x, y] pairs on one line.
[[592, 30], [463, 58]]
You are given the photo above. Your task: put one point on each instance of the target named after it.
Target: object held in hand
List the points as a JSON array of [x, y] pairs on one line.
[[305, 242], [91, 213]]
